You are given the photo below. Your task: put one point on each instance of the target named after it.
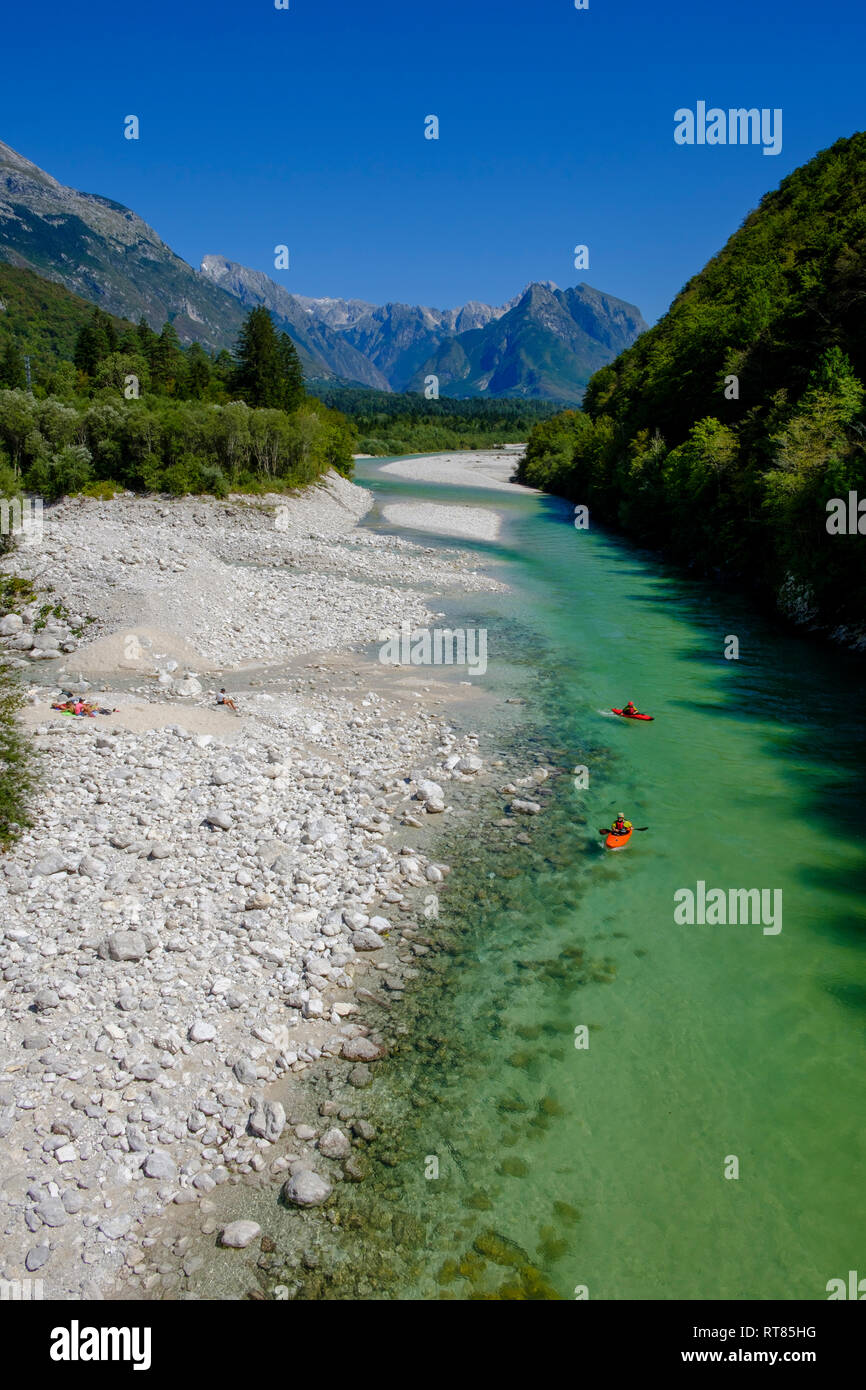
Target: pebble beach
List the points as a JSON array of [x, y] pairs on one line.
[[209, 899]]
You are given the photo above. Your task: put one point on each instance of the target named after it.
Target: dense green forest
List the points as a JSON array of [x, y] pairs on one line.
[[722, 434], [133, 409], [41, 320], [411, 424]]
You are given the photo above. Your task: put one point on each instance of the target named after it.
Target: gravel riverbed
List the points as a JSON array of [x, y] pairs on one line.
[[194, 919]]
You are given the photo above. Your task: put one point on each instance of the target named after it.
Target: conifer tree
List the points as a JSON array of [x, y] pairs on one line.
[[93, 343], [292, 374], [258, 371], [198, 371], [167, 365], [12, 373]]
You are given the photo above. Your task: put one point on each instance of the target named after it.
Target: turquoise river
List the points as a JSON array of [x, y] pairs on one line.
[[708, 1141]]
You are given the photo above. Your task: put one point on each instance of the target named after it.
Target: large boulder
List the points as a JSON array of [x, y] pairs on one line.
[[429, 791], [334, 1144], [267, 1119], [188, 685], [360, 1050], [306, 1189], [124, 945], [53, 862], [237, 1235], [160, 1165], [367, 940]]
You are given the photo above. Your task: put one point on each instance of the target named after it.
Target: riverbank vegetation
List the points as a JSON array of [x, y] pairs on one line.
[[390, 424], [721, 435], [133, 409], [18, 760]]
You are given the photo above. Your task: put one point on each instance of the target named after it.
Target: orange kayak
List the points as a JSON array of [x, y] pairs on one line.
[[618, 841]]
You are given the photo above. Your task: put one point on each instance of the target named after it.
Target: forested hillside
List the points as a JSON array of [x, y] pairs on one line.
[[723, 433]]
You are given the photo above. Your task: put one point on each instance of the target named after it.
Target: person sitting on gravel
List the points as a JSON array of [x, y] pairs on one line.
[[224, 699]]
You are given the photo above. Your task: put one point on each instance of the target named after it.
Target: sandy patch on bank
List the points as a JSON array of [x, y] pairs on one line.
[[471, 522], [485, 469], [138, 716], [137, 648]]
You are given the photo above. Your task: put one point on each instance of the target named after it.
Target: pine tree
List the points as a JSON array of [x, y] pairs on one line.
[[167, 363], [198, 371], [12, 373], [93, 343], [130, 342], [109, 330], [147, 339], [292, 374], [224, 367], [258, 372]]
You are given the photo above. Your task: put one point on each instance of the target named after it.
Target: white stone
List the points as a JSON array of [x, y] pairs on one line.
[[237, 1235]]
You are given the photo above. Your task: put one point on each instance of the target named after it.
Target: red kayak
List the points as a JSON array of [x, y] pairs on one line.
[[633, 716]]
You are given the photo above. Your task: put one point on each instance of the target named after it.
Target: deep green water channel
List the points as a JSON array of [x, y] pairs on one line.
[[606, 1164]]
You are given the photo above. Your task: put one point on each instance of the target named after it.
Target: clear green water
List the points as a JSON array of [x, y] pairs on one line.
[[705, 1041]]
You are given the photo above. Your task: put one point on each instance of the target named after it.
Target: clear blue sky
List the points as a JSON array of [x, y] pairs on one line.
[[305, 127]]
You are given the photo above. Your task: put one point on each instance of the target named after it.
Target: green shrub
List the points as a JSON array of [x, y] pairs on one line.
[[19, 774], [103, 490]]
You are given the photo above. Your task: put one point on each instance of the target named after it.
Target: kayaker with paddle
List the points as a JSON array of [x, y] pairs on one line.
[[630, 712], [618, 835]]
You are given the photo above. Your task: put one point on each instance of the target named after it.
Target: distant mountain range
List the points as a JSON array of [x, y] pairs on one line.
[[545, 343]]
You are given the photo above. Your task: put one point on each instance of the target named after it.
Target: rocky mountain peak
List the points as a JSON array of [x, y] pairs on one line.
[[545, 342]]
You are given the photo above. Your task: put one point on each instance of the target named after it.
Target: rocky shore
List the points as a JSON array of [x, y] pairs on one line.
[[210, 903]]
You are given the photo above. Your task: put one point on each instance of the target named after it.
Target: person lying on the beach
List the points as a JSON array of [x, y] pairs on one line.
[[224, 699], [80, 707]]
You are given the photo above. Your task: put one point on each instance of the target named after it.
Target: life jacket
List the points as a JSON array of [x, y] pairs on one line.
[[626, 825]]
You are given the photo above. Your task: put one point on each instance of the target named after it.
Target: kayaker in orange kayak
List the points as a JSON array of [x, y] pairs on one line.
[[630, 708], [618, 835]]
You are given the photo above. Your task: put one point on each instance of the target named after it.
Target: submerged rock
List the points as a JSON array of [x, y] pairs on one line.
[[360, 1050], [500, 1249], [334, 1144]]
